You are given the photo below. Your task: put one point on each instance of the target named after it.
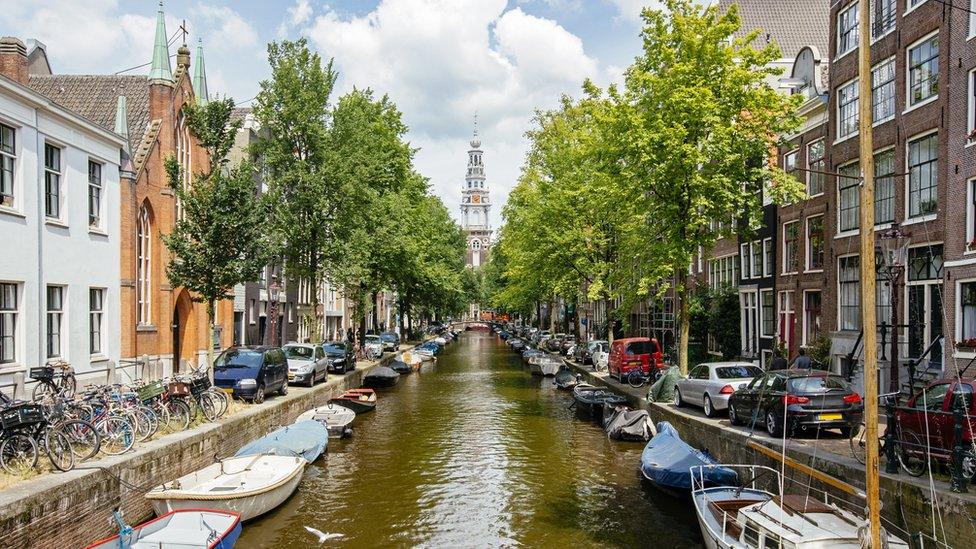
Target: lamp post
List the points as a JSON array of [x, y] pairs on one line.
[[274, 290], [893, 247]]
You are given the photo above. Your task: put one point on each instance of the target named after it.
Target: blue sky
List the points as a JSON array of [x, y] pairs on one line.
[[440, 60]]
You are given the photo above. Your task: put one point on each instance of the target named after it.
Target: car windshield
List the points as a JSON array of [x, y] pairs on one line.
[[817, 384], [335, 349], [299, 353], [737, 372], [388, 337], [639, 348], [239, 358], [373, 339]]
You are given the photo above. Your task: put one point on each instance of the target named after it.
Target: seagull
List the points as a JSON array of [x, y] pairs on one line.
[[323, 537]]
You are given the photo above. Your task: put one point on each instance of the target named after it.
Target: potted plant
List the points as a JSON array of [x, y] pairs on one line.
[[967, 345]]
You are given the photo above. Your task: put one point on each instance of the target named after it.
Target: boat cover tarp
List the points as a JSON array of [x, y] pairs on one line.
[[383, 373], [400, 366], [628, 424], [662, 390], [307, 439], [666, 460], [566, 379]]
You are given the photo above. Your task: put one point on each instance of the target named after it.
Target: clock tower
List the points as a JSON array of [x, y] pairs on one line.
[[475, 205]]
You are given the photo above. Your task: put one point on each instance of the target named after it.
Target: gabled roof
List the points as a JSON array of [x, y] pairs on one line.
[[96, 97], [793, 24]]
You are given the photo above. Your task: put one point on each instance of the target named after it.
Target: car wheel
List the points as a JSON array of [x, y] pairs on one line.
[[772, 424], [733, 417], [284, 389], [846, 431], [258, 397], [677, 398], [707, 405], [311, 380]]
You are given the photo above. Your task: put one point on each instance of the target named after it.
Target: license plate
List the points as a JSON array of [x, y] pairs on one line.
[[831, 417], [228, 391], [291, 376]]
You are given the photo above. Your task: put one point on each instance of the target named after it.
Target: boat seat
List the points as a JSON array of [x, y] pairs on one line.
[[727, 512]]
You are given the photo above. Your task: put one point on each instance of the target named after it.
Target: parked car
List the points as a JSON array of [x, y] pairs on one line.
[[373, 343], [633, 353], [710, 384], [808, 399], [600, 355], [391, 341], [923, 419], [252, 372], [567, 343], [306, 363], [341, 356], [584, 351]]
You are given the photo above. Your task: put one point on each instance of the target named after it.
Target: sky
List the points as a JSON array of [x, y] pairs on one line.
[[439, 60]]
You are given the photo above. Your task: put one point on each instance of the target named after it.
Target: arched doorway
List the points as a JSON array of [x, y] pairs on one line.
[[184, 345]]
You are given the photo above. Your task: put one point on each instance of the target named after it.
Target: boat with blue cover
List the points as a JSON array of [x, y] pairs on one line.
[[307, 439], [666, 461], [190, 528]]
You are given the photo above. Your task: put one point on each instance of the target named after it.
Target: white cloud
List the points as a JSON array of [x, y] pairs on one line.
[[228, 31], [300, 13], [630, 10]]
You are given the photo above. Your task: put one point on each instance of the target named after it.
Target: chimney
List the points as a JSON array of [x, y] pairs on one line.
[[13, 59]]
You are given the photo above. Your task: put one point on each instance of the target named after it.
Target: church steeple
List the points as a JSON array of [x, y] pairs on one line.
[[200, 76], [160, 68], [475, 203]]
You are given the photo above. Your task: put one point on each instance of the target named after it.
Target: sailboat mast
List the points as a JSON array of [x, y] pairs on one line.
[[868, 276]]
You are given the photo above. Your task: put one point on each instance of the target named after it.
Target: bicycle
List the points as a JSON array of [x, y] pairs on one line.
[[24, 426], [637, 378], [905, 448], [66, 384]]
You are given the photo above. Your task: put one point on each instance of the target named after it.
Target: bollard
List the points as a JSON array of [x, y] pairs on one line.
[[20, 386], [958, 482], [110, 372], [891, 460]]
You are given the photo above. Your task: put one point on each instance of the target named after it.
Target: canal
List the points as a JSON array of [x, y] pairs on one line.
[[475, 452]]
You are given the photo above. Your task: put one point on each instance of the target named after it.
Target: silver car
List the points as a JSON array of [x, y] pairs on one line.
[[710, 384], [306, 363]]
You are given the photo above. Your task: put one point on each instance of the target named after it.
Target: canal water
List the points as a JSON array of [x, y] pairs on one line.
[[473, 451]]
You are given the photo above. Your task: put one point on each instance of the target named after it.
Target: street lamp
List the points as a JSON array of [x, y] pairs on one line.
[[893, 248], [274, 290]]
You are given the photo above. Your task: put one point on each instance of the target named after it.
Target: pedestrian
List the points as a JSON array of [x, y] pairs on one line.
[[778, 362], [803, 361]]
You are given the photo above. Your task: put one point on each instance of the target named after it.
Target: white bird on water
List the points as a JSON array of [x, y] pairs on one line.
[[323, 536]]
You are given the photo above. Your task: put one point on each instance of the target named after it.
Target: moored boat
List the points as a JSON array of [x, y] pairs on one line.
[[550, 365], [666, 459], [413, 359], [336, 418], [249, 485], [381, 377], [189, 528], [305, 438], [357, 400], [566, 379], [622, 423], [400, 367], [590, 398]]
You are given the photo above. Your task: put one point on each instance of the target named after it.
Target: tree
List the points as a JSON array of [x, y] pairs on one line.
[[221, 238], [293, 109], [695, 125]]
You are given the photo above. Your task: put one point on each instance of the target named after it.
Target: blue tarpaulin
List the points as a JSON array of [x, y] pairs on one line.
[[306, 439], [666, 460]]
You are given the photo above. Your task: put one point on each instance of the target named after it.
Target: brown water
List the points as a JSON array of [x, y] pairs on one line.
[[475, 452]]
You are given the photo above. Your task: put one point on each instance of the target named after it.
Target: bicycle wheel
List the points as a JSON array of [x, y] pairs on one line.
[[179, 414], [142, 424], [635, 378], [68, 385], [207, 406], [857, 444], [911, 455], [221, 399], [59, 451], [162, 416], [42, 390], [83, 437], [18, 454], [118, 435], [154, 421]]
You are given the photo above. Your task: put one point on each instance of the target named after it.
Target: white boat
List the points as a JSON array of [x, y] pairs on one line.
[[249, 485], [413, 359], [544, 365], [187, 529], [742, 517], [440, 341], [335, 417]]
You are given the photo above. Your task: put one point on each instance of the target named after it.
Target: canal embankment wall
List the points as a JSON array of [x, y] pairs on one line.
[[75, 508], [906, 502]]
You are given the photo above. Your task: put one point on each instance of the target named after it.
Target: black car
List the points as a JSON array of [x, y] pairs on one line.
[[252, 372], [341, 356], [584, 351], [391, 341], [805, 399]]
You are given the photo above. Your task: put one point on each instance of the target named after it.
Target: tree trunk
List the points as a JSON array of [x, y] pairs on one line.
[[376, 312], [606, 318], [552, 317], [315, 333], [409, 317], [538, 314], [684, 324], [211, 307]]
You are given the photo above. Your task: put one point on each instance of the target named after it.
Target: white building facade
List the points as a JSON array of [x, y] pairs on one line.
[[60, 230]]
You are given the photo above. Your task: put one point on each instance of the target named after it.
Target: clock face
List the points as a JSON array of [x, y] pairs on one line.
[[476, 198]]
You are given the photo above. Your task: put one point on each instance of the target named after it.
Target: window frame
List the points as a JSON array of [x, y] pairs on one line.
[[852, 32], [857, 197], [971, 215], [763, 333], [808, 252], [53, 199], [971, 103], [961, 308], [908, 176], [96, 321], [889, 180], [768, 258], [822, 161], [909, 104], [144, 267], [755, 267], [874, 14], [857, 293], [745, 256], [854, 118], [54, 318], [9, 313], [875, 119], [808, 337], [787, 225], [96, 188], [8, 154]]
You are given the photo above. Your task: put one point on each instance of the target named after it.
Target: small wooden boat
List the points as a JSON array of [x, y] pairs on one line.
[[336, 418], [566, 379], [414, 360], [590, 398], [381, 377], [357, 400], [666, 460], [305, 438], [189, 528], [249, 485]]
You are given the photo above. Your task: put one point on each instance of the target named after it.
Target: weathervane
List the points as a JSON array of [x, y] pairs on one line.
[[476, 123]]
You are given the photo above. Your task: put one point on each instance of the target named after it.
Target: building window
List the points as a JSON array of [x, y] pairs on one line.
[[723, 272], [925, 312], [883, 91], [967, 311], [183, 158], [254, 311], [847, 118], [923, 70], [912, 4], [884, 187], [768, 313], [791, 247], [96, 308], [757, 259], [768, 257], [882, 17], [787, 317], [811, 317], [52, 181], [971, 123], [789, 161], [94, 194], [748, 322], [55, 317], [144, 267], [848, 197], [847, 29], [849, 292], [971, 216], [815, 243], [8, 155], [8, 322], [744, 260], [923, 175], [972, 18], [815, 168]]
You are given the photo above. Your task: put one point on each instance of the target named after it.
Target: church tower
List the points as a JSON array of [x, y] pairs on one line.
[[475, 205]]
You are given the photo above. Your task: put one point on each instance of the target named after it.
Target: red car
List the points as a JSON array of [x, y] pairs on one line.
[[632, 353], [941, 395]]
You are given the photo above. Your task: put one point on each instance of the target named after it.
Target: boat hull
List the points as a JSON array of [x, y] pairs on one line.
[[249, 507], [176, 528], [357, 406]]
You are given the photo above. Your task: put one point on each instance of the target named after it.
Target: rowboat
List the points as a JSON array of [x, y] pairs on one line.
[[357, 400], [190, 528], [305, 438], [381, 377], [249, 485], [625, 424], [413, 359], [400, 366], [590, 398], [550, 365], [566, 379], [666, 460], [335, 417]]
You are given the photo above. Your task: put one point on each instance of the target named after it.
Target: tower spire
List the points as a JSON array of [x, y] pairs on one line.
[[160, 68], [200, 76]]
